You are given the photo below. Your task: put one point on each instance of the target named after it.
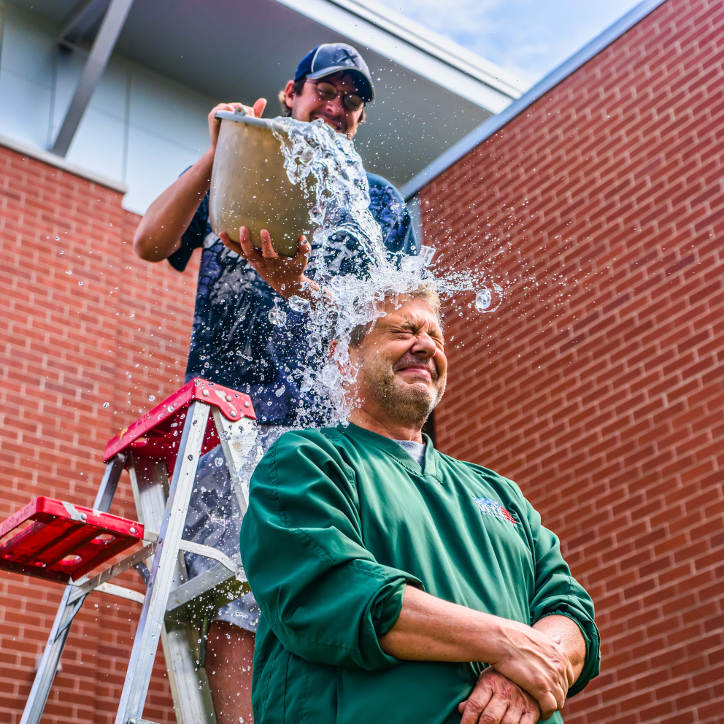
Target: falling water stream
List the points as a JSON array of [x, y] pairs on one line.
[[349, 261]]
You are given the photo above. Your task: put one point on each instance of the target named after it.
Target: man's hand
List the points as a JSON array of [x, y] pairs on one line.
[[538, 663], [497, 700], [215, 123], [569, 636], [285, 275], [431, 629]]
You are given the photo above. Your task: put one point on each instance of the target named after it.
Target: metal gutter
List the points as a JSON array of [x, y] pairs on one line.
[[496, 122]]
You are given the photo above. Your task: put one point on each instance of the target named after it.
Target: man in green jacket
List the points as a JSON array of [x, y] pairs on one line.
[[398, 584]]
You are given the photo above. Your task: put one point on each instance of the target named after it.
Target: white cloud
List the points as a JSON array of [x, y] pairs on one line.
[[526, 37], [452, 18]]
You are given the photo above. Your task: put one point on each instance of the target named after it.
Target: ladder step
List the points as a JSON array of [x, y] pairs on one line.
[[157, 434], [203, 595], [59, 541]]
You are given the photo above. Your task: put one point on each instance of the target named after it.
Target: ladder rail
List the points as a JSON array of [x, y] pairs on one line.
[[164, 571], [192, 703], [239, 441]]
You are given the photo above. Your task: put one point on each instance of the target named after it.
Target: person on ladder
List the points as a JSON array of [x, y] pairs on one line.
[[232, 340]]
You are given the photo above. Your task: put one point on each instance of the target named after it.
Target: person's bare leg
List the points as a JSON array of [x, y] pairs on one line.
[[229, 654]]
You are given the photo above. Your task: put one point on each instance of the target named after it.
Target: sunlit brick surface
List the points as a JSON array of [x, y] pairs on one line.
[[89, 333], [598, 384]]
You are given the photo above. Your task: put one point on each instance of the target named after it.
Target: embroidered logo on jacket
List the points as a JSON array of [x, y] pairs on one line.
[[494, 509]]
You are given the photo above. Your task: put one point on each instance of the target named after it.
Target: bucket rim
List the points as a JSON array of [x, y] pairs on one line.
[[244, 118]]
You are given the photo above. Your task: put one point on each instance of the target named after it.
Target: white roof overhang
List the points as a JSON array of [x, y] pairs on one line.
[[430, 93]]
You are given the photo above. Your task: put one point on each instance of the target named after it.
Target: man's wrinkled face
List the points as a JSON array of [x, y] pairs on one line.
[[401, 362], [308, 105]]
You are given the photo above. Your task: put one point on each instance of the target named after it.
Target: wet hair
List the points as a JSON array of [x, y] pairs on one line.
[[424, 291], [298, 85]]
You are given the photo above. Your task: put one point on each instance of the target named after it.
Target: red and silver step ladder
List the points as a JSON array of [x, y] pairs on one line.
[[62, 542]]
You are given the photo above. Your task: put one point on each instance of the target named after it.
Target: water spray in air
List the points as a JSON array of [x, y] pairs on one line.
[[350, 262]]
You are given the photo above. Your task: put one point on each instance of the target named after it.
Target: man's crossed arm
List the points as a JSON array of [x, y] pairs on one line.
[[544, 660]]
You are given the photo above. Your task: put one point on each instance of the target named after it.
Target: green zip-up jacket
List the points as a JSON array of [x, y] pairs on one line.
[[340, 520]]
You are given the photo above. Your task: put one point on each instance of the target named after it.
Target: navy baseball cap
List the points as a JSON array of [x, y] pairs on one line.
[[332, 58]]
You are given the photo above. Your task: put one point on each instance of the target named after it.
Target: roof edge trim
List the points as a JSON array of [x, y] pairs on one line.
[[558, 74]]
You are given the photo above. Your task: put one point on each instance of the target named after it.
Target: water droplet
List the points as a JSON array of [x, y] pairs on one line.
[[483, 299], [278, 317], [299, 304], [426, 254], [106, 404], [151, 398], [488, 300]]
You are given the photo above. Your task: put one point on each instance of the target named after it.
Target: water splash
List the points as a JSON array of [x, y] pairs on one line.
[[299, 304], [327, 163], [277, 316], [349, 261]]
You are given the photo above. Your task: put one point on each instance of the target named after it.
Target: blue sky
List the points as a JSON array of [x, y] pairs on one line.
[[526, 37]]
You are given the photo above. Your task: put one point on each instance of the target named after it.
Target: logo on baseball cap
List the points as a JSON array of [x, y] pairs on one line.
[[332, 58]]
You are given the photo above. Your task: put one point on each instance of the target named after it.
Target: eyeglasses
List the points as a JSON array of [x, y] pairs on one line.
[[328, 92]]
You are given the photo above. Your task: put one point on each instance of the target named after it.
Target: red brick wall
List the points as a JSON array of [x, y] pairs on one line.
[[598, 383], [89, 333], [595, 385]]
